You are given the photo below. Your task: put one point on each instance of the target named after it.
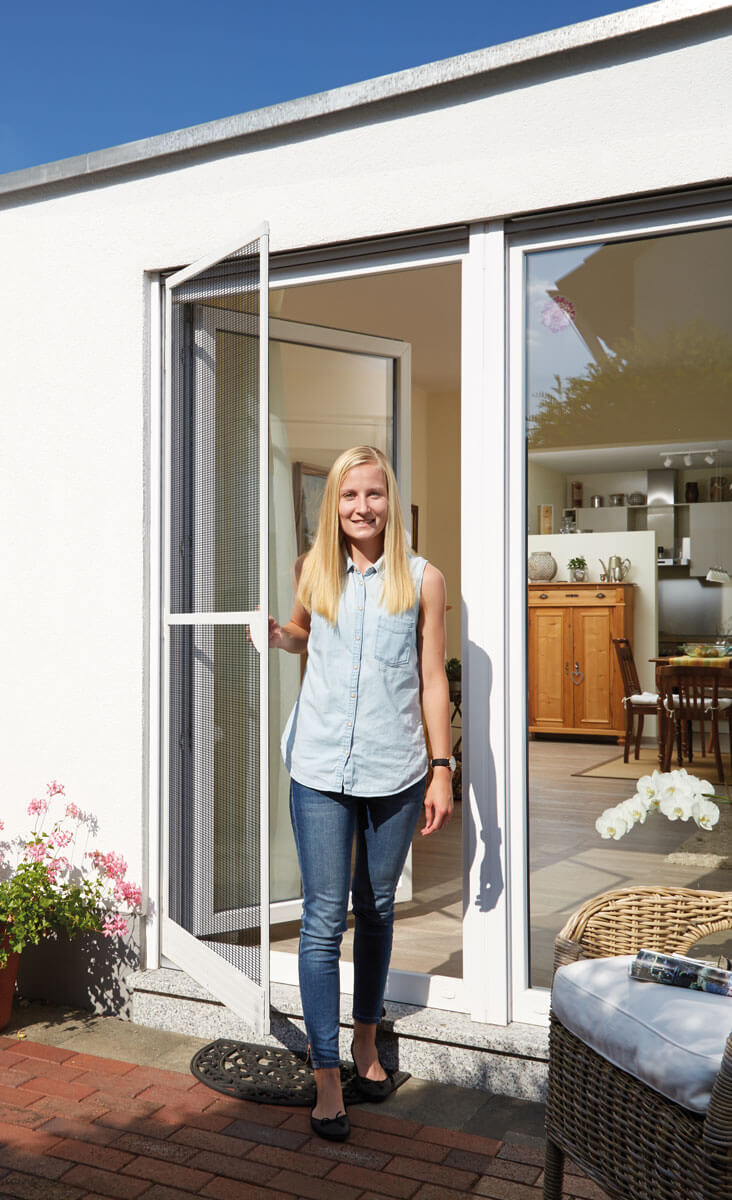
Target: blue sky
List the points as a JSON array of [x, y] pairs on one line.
[[87, 74]]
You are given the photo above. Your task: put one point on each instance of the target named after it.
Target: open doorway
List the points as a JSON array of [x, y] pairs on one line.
[[356, 392]]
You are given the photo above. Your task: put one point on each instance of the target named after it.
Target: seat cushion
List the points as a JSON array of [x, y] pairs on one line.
[[644, 698], [670, 1038], [700, 705]]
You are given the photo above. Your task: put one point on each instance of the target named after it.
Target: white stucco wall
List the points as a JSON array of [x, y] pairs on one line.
[[74, 368]]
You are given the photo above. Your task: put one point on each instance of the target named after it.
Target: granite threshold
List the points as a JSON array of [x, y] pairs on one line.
[[432, 1044]]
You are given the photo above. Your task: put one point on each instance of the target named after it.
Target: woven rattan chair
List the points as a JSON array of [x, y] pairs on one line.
[[631, 1140], [636, 702]]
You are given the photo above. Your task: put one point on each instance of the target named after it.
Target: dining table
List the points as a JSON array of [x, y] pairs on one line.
[[722, 663]]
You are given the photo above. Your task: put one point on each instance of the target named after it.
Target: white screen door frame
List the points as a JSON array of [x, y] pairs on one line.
[[210, 961]]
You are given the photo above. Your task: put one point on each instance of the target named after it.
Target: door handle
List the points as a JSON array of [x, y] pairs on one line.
[[577, 676], [566, 668]]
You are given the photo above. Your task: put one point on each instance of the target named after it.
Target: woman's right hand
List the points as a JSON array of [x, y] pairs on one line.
[[276, 634]]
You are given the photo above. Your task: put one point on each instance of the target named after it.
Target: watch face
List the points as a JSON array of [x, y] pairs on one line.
[[452, 762]]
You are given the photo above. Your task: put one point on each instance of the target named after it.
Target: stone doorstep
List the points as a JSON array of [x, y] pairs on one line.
[[433, 1044]]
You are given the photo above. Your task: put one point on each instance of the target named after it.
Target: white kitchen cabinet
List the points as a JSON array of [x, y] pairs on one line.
[[710, 529]]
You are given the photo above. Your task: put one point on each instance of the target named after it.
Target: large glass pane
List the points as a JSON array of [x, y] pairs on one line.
[[629, 448]]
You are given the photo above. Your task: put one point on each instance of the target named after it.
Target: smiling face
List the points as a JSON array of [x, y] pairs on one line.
[[363, 505]]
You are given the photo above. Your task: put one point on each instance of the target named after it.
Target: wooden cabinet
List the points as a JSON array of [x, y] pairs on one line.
[[574, 680]]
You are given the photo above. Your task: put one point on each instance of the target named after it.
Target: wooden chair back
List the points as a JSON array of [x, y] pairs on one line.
[[690, 693], [628, 670]]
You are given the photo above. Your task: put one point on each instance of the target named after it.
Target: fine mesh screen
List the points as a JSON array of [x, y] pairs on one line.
[[214, 801], [214, 548], [214, 669]]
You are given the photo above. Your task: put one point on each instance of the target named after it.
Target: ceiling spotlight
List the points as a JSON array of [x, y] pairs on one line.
[[709, 458], [687, 459], [667, 461]]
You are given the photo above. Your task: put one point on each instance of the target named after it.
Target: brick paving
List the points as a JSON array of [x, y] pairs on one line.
[[81, 1127]]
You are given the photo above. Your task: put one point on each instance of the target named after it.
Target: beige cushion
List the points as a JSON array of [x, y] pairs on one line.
[[644, 698], [670, 1038]]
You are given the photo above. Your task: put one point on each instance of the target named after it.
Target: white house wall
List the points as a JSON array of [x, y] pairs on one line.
[[615, 121]]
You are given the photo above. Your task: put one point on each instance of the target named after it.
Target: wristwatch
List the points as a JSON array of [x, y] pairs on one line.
[[444, 762]]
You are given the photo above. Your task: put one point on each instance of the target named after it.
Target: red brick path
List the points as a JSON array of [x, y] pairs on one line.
[[80, 1127]]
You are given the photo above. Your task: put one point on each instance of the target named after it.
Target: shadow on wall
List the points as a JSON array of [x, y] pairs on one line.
[[88, 972], [484, 835]]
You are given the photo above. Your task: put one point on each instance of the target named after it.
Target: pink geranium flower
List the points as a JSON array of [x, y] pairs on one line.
[[114, 925], [37, 808]]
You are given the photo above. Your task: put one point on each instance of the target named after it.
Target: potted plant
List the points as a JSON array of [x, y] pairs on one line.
[[52, 887], [577, 567], [453, 671]]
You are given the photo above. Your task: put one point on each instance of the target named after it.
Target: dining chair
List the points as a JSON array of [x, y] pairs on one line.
[[689, 696], [636, 702]]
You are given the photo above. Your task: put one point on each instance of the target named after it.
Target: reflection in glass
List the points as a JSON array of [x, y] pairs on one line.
[[628, 384]]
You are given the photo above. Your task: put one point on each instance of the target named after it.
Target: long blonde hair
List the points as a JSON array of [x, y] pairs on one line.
[[324, 566]]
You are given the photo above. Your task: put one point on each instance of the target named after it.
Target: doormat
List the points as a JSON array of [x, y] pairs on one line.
[[268, 1074], [647, 763]]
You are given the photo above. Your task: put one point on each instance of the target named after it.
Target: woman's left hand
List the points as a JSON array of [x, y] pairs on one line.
[[438, 802]]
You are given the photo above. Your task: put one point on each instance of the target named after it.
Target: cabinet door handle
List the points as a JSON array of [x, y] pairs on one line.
[[600, 596], [566, 668], [543, 596], [572, 595], [577, 676]]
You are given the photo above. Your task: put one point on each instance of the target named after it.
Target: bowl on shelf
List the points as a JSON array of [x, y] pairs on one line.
[[617, 498], [636, 498], [706, 649]]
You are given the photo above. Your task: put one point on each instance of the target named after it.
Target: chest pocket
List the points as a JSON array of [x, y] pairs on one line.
[[395, 636]]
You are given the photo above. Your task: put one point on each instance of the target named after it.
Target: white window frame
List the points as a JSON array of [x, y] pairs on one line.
[[531, 1005], [484, 990]]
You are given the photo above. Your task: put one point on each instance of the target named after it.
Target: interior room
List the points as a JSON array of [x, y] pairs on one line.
[[334, 388], [629, 505]]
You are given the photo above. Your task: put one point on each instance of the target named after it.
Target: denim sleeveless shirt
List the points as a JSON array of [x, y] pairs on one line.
[[357, 724]]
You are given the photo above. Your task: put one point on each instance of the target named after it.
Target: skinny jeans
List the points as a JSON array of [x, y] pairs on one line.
[[324, 825]]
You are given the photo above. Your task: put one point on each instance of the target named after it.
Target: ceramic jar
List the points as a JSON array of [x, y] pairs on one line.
[[541, 566]]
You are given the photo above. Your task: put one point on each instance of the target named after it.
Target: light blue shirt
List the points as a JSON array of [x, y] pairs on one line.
[[357, 724]]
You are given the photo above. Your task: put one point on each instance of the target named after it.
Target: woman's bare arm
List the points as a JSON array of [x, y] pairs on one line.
[[435, 695], [292, 637]]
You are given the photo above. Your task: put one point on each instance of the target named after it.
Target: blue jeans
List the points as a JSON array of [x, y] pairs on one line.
[[324, 824]]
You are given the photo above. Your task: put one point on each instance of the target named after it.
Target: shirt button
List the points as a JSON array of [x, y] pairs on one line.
[[360, 608], [353, 695], [358, 637], [355, 666], [350, 723]]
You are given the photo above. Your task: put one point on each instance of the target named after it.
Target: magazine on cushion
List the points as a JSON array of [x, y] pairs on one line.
[[650, 966]]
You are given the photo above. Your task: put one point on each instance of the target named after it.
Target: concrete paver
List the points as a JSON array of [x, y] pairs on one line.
[[88, 1110]]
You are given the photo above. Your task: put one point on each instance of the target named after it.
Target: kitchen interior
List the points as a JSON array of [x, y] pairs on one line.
[[629, 524]]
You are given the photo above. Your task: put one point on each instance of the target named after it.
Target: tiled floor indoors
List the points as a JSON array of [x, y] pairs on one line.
[[95, 1107]]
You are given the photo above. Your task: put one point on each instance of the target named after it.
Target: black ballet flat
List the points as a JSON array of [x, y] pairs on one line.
[[374, 1090], [333, 1129]]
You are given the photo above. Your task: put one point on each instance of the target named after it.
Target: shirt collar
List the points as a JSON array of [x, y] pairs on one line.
[[376, 569]]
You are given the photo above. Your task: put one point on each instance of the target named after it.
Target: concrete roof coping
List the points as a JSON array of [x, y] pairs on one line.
[[569, 38]]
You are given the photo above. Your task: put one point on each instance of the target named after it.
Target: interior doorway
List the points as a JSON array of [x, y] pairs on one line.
[[318, 410]]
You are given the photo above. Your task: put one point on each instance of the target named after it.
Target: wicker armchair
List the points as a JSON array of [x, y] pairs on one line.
[[631, 1140]]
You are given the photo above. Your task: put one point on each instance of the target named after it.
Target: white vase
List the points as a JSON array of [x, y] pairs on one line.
[[541, 566]]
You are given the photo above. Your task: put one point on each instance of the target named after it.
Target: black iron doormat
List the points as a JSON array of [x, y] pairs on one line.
[[267, 1074]]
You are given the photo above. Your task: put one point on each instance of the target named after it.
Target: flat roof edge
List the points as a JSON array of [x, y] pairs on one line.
[[614, 26]]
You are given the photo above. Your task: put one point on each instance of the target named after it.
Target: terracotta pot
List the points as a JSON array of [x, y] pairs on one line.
[[8, 975]]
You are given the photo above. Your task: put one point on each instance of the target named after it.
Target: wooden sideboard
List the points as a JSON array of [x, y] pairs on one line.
[[575, 685]]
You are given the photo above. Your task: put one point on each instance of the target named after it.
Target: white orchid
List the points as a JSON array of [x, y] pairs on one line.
[[649, 787], [636, 808], [705, 813], [676, 794], [611, 824]]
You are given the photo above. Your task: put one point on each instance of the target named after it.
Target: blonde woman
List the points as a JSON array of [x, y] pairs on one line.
[[371, 616]]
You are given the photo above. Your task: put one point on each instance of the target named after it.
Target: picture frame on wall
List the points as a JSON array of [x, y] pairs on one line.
[[546, 518], [308, 485]]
